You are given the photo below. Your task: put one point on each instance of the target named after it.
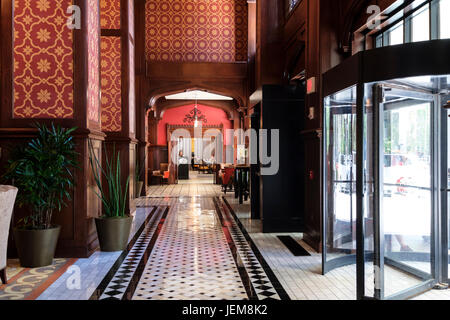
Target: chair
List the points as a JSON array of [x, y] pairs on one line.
[[227, 179], [7, 198], [163, 173], [164, 167], [166, 177]]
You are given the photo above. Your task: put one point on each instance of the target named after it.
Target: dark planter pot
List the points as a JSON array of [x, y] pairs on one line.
[[113, 233], [36, 248]]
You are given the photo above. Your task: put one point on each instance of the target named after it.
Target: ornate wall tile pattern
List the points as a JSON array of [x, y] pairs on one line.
[[111, 84], [110, 14], [196, 30], [43, 60]]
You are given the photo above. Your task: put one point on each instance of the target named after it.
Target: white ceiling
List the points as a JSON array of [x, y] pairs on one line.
[[197, 95]]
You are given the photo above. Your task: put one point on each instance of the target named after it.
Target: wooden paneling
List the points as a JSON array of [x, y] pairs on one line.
[[78, 237], [123, 138], [163, 78]]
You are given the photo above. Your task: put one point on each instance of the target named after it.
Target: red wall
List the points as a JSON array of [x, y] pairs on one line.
[[214, 116]]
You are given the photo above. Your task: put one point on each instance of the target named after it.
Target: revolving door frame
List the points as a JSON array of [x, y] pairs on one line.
[[403, 61]]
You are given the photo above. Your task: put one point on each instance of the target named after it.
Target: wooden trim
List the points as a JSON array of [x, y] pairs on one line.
[[6, 62], [110, 32], [197, 70]]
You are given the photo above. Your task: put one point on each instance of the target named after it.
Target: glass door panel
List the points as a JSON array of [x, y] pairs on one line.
[[406, 193], [340, 180]]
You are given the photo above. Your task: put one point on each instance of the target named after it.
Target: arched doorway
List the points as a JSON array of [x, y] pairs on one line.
[[167, 116]]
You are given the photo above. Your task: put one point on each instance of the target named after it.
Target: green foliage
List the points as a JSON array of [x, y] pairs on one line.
[[113, 196], [41, 170], [139, 169]]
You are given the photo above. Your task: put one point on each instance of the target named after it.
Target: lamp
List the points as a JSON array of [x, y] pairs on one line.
[[196, 122]]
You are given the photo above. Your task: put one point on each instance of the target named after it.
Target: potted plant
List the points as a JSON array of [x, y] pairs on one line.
[[41, 170], [114, 226], [138, 173]]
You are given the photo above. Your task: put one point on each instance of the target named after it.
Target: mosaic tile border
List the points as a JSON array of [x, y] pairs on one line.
[[262, 277], [123, 284], [133, 251], [245, 278], [192, 259]]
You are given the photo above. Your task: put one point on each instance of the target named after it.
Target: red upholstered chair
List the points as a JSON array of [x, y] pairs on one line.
[[166, 176], [227, 179]]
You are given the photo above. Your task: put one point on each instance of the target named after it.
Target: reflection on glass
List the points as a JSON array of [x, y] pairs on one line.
[[369, 227], [421, 26], [379, 41], [341, 172], [395, 35], [444, 19], [407, 202], [448, 179]]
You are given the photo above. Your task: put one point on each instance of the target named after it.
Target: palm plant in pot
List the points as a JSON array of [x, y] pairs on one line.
[[42, 171], [138, 174], [114, 226]]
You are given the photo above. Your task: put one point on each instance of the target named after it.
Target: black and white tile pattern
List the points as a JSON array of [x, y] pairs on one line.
[[191, 259], [191, 249], [261, 284], [119, 284]]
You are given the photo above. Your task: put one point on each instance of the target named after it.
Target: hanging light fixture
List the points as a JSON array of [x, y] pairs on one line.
[[195, 116], [197, 123], [196, 112]]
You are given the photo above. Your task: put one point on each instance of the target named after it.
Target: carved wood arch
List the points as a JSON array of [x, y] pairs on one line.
[[227, 106], [157, 95]]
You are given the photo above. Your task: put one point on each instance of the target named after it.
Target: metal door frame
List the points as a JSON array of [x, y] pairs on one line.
[[378, 139]]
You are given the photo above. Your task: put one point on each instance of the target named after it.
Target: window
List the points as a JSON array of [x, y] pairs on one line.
[[395, 35], [428, 21], [444, 21], [420, 24], [379, 41]]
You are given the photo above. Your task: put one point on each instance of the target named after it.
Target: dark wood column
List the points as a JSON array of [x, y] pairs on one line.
[[322, 54], [78, 234], [157, 153], [142, 107], [124, 140]]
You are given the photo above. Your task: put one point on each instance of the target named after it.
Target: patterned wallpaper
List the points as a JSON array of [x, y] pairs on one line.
[[93, 103], [43, 60], [111, 84], [196, 30], [110, 14]]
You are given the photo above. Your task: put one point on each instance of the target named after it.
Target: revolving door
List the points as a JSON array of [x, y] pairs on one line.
[[383, 171]]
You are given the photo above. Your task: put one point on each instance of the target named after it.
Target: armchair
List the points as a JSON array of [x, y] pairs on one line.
[[163, 173], [7, 198]]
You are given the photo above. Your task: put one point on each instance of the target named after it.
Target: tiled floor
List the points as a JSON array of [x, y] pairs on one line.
[[198, 184], [191, 259], [301, 276], [81, 280], [195, 249]]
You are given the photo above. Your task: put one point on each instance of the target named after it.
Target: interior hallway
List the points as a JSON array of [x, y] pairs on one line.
[[204, 247], [199, 184]]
